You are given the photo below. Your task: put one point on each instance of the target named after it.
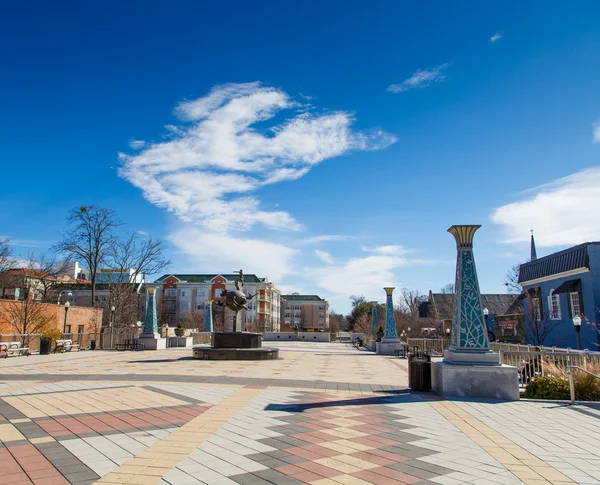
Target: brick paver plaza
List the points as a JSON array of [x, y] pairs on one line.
[[322, 414]]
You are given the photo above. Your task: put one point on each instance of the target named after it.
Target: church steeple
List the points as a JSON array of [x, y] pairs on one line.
[[533, 252]]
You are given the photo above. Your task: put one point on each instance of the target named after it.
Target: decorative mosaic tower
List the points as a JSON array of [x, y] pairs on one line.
[[469, 331], [150, 336], [390, 321], [374, 327], [470, 368], [390, 341], [208, 316]]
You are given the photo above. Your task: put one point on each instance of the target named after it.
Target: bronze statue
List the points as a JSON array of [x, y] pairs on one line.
[[235, 300]]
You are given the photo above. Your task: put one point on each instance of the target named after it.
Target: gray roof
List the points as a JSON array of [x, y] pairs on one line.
[[302, 298], [201, 278], [565, 260], [497, 304]]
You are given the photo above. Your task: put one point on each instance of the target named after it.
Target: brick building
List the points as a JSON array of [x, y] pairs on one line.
[[304, 312]]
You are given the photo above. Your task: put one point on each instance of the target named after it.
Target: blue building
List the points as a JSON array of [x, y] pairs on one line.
[[557, 288]]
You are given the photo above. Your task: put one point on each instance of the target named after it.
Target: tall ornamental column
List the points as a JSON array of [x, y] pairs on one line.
[[151, 320], [208, 316], [469, 332], [390, 334]]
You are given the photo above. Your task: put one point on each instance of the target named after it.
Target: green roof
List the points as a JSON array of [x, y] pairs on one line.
[[201, 278], [301, 297]]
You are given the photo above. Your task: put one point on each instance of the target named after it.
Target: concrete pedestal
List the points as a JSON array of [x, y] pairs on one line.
[[373, 345], [153, 341], [484, 381], [388, 346]]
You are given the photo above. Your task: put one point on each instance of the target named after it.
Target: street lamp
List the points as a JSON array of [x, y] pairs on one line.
[[69, 295], [447, 332], [486, 312], [577, 323], [112, 316], [67, 305]]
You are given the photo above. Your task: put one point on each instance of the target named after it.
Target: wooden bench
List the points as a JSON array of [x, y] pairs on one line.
[[65, 346], [11, 349]]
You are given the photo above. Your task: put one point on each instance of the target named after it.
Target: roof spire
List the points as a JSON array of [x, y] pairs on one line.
[[533, 252]]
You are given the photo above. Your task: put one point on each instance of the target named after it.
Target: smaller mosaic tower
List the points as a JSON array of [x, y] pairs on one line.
[[374, 326], [390, 320], [150, 336], [208, 316]]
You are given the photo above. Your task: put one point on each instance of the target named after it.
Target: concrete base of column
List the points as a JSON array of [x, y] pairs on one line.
[[478, 381], [388, 346], [153, 341]]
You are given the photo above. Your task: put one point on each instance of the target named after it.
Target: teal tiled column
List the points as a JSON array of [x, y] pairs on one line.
[[470, 342], [390, 320], [374, 326], [151, 320], [208, 316]]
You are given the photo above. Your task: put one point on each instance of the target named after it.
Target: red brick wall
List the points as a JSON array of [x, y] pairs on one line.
[[89, 318]]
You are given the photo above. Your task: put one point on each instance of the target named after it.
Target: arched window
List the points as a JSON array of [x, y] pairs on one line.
[[554, 305]]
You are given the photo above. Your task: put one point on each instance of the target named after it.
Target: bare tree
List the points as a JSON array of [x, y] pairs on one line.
[[89, 238], [134, 256], [192, 318], [336, 321], [448, 289], [538, 324], [511, 280], [28, 316]]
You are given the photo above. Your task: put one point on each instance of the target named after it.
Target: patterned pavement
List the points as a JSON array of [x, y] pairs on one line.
[[162, 418]]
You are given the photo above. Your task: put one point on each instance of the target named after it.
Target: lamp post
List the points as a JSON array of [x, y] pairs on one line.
[[67, 305], [112, 324], [577, 324], [447, 332]]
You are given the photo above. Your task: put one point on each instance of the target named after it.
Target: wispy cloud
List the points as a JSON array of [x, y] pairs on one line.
[[226, 147], [137, 144], [497, 36], [142, 233], [420, 79], [324, 256], [596, 128], [366, 275], [206, 172], [26, 243], [324, 238], [563, 212]]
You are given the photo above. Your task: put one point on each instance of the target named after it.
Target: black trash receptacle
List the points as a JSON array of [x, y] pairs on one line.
[[45, 345], [92, 345], [419, 372]]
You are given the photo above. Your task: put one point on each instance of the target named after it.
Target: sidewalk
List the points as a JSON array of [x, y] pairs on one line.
[[326, 414]]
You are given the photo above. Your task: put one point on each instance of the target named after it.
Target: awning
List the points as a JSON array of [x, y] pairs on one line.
[[569, 286]]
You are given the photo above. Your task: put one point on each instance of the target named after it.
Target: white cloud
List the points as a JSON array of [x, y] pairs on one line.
[[207, 170], [142, 233], [137, 144], [497, 36], [564, 212], [225, 253], [324, 238], [596, 127], [324, 256], [365, 275], [420, 79]]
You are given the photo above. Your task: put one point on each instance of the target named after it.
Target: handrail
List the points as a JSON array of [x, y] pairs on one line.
[[572, 379]]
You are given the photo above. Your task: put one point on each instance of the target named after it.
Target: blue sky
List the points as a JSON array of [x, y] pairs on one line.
[[325, 145]]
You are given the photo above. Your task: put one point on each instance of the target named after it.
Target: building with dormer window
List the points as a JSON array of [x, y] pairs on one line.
[[181, 293]]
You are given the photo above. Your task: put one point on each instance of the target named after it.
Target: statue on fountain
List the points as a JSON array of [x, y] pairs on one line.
[[235, 300]]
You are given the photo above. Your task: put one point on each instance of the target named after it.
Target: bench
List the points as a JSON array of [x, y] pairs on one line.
[[65, 346], [402, 352], [10, 349], [130, 345]]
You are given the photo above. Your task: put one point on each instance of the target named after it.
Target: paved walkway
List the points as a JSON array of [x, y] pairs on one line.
[[322, 414]]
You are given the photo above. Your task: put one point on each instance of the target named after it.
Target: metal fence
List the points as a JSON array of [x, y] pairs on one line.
[[32, 341], [433, 346], [111, 338]]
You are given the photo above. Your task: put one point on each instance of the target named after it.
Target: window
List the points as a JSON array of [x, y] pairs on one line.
[[321, 315], [68, 329], [321, 307], [554, 305], [201, 293], [184, 293], [170, 292], [184, 305], [200, 306], [218, 293], [536, 309], [575, 304], [80, 329]]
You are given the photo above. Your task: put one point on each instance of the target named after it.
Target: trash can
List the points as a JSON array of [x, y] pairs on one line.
[[419, 371], [45, 345], [92, 345]]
